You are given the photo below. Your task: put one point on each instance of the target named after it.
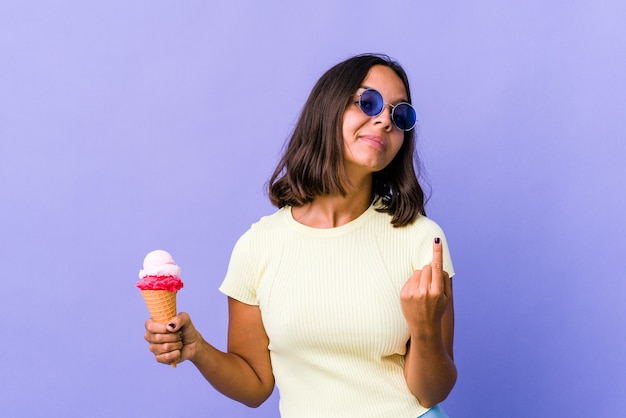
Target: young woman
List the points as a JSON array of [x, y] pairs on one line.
[[343, 297]]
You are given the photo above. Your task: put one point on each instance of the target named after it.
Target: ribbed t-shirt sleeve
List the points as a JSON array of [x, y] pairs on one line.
[[243, 275], [424, 255]]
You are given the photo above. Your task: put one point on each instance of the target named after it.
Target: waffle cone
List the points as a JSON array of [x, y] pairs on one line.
[[161, 304]]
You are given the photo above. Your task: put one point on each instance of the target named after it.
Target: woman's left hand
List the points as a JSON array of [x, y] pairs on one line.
[[425, 296]]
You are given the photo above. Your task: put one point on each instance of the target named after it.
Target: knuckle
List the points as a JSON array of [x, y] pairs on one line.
[[155, 349], [153, 337], [169, 347], [406, 295], [168, 357], [149, 324]]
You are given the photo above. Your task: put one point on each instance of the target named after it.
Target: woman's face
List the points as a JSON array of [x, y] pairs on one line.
[[371, 143]]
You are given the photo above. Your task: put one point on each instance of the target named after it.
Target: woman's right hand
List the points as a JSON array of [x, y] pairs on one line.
[[175, 341], [243, 373]]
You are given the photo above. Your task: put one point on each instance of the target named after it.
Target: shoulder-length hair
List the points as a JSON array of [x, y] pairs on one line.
[[313, 162]]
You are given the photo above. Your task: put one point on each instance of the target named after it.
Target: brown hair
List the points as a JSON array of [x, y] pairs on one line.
[[313, 162]]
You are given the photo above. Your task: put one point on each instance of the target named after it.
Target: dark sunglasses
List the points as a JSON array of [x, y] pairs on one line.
[[372, 104]]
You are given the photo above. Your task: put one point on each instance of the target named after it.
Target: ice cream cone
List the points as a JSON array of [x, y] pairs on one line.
[[161, 304], [160, 280]]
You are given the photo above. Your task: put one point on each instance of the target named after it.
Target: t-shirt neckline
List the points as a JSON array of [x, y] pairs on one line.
[[330, 232]]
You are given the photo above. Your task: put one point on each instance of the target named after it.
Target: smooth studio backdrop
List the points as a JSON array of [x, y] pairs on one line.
[[127, 126]]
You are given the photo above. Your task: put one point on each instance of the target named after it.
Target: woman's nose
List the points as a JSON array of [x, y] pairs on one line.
[[384, 118]]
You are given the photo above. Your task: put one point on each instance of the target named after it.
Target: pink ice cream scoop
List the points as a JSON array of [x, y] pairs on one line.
[[160, 272]]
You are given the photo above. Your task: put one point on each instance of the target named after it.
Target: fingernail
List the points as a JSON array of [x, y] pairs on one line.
[[171, 325], [437, 240]]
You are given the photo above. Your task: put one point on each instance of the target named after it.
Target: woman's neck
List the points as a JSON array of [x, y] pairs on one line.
[[334, 210]]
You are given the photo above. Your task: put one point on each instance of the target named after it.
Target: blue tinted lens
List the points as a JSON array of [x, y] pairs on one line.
[[404, 116], [371, 102]]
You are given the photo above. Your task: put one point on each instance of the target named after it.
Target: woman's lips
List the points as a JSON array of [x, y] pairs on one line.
[[375, 141]]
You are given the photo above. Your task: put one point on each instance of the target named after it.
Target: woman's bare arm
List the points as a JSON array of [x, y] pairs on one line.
[[243, 373]]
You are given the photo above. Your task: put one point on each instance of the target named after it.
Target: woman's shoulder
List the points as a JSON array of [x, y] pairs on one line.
[[268, 224], [262, 234], [423, 221], [425, 226], [272, 220], [422, 230]]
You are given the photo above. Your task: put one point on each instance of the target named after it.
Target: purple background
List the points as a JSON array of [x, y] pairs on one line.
[[127, 126]]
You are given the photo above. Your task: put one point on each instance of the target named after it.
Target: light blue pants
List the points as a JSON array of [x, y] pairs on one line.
[[435, 412]]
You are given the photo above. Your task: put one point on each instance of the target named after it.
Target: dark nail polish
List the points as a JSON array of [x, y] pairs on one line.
[[437, 240], [171, 325]]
